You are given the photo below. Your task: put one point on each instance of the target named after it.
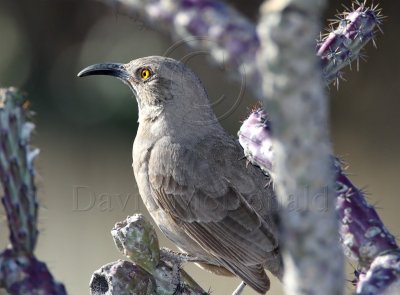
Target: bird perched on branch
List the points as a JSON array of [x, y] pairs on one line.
[[190, 175]]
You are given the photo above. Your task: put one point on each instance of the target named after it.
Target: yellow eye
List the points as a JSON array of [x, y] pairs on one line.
[[145, 74]]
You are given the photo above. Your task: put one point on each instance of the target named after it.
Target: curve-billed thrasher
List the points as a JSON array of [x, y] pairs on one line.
[[191, 177]]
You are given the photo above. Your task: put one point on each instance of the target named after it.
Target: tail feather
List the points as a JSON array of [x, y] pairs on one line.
[[274, 264]]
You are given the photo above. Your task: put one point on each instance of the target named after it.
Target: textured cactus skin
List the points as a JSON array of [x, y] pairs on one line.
[[382, 277], [16, 171], [20, 271], [147, 272], [215, 28], [366, 240], [354, 29], [364, 237], [137, 240], [122, 278]]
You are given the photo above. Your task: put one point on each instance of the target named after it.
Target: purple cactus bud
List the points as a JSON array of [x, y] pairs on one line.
[[354, 29], [255, 138]]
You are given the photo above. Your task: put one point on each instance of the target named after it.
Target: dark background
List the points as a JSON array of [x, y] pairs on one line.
[[85, 127]]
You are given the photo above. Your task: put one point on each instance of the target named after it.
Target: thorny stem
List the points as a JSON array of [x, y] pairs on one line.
[[214, 28], [298, 106], [20, 271], [346, 37], [363, 235]]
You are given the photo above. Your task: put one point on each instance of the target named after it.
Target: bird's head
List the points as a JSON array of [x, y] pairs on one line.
[[162, 86]]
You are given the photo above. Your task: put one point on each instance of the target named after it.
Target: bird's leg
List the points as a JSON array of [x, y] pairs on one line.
[[177, 257], [239, 289]]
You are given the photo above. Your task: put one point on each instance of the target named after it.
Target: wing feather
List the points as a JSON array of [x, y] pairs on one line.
[[211, 210]]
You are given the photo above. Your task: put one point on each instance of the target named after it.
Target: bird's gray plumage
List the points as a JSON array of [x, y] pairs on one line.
[[192, 179]]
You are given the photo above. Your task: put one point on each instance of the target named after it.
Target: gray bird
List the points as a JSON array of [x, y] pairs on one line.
[[191, 175]]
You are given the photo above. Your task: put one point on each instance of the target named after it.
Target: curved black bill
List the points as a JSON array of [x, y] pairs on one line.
[[109, 69]]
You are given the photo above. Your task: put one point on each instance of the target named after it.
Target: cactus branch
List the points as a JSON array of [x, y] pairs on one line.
[[122, 278], [16, 171], [346, 36], [212, 26], [363, 235], [20, 271], [148, 272], [298, 108], [365, 239]]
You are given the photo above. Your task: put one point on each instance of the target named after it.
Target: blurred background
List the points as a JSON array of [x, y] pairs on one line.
[[85, 127]]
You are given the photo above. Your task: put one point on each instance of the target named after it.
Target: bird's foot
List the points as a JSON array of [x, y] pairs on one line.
[[239, 289], [177, 257]]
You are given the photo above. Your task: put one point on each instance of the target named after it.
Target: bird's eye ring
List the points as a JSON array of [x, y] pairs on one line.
[[145, 74]]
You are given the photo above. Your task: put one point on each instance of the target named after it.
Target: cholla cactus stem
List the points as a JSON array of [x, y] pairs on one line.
[[232, 41], [20, 272], [364, 237], [148, 272], [16, 171], [346, 37]]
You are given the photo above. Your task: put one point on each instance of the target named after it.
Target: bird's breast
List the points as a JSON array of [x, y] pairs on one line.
[[141, 154], [140, 163]]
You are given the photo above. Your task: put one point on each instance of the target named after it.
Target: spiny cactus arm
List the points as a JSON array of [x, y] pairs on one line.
[[20, 271], [16, 171], [354, 29], [363, 234], [147, 272], [213, 27], [295, 96], [366, 240], [364, 237]]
